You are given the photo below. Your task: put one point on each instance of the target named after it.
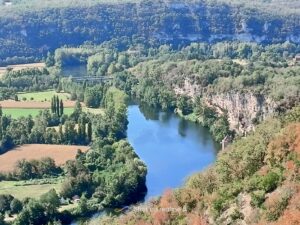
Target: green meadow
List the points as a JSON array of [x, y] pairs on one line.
[[19, 112], [42, 96]]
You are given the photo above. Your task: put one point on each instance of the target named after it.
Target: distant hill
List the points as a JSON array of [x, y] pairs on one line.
[[31, 28]]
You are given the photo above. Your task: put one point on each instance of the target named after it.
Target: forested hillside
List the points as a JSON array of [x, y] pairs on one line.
[[30, 29], [254, 181]]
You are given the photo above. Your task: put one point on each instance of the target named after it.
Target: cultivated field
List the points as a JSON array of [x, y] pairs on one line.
[[60, 153], [19, 112]]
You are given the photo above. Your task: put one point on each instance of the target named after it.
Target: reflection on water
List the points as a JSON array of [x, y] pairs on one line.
[[149, 113], [74, 71]]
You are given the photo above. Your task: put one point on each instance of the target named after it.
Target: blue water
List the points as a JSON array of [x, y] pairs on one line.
[[171, 147]]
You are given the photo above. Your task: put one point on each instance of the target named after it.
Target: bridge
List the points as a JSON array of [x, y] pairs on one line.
[[91, 79]]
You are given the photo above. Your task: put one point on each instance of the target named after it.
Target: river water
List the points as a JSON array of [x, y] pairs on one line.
[[171, 147]]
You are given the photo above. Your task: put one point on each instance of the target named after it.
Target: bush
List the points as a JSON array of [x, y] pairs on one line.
[[257, 198], [219, 205], [276, 204], [16, 206], [270, 181], [237, 215]]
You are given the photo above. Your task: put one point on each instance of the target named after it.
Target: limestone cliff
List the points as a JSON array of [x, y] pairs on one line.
[[244, 110]]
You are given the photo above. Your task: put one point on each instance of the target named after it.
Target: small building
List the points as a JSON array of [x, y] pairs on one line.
[[7, 3], [297, 59], [76, 199]]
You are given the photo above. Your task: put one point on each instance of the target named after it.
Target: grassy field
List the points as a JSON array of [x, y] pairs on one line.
[[93, 111], [22, 189], [60, 153], [43, 96], [18, 112]]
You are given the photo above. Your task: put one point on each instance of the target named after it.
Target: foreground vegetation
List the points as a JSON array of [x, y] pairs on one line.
[[255, 180]]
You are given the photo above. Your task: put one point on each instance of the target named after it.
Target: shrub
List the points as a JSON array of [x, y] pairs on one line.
[[276, 204], [16, 206], [270, 181], [219, 205], [257, 198], [237, 215]]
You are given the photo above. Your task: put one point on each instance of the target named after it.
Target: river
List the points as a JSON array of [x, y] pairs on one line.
[[171, 147]]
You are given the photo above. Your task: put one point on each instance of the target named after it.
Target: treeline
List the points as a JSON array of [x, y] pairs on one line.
[[26, 80], [74, 129], [43, 210], [32, 169], [57, 106]]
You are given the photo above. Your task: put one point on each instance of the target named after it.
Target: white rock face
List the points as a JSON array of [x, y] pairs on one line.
[[242, 108]]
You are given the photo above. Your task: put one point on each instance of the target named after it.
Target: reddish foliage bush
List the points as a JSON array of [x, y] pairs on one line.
[[168, 200], [291, 215], [288, 141], [160, 217], [194, 219]]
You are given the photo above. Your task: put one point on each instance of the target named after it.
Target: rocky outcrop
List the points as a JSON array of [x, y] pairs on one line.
[[243, 110]]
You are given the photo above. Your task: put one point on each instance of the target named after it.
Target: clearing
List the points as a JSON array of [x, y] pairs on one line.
[[19, 112], [31, 189], [60, 153], [32, 104], [43, 96]]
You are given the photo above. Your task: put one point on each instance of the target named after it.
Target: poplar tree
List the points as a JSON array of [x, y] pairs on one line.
[[61, 106], [89, 132], [57, 106], [53, 105]]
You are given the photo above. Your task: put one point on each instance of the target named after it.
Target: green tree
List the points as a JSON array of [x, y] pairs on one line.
[[89, 132], [2, 217], [185, 105], [53, 105], [5, 201], [83, 205], [61, 106], [57, 106], [50, 201], [33, 213], [16, 206]]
